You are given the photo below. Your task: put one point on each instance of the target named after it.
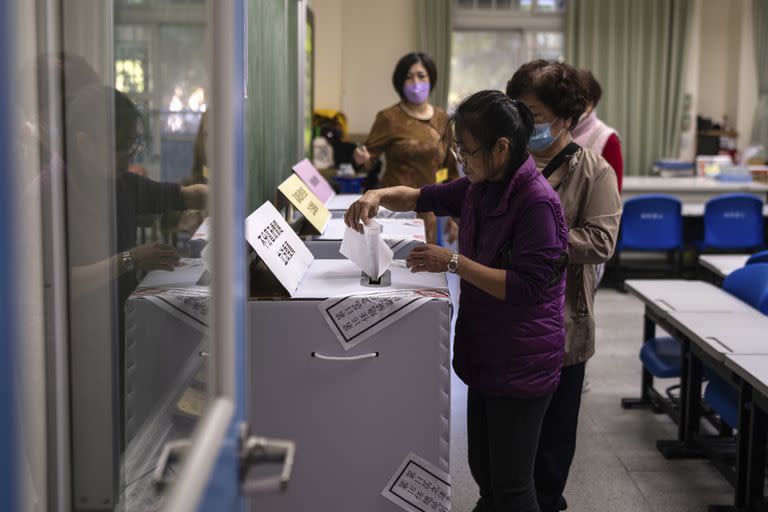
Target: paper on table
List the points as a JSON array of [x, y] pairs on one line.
[[368, 251]]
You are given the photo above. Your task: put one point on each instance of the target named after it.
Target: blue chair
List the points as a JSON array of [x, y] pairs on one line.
[[749, 284], [652, 222], [733, 222], [758, 257]]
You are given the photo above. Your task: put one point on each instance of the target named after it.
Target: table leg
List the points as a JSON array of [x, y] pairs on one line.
[[690, 409], [646, 383]]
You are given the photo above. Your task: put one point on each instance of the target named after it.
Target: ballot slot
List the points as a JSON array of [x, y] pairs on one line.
[[384, 281]]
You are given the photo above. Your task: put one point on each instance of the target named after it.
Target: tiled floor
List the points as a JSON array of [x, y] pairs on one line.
[[617, 467]]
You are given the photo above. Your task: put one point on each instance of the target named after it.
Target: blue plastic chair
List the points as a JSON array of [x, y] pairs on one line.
[[749, 284], [758, 257], [652, 222], [733, 222]]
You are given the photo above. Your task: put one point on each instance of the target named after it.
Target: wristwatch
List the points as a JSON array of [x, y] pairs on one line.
[[453, 265], [126, 260]]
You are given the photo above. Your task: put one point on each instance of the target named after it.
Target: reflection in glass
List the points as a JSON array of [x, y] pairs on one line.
[[130, 160]]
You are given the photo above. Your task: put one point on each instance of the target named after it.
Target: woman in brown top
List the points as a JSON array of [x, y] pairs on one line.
[[409, 134], [588, 191]]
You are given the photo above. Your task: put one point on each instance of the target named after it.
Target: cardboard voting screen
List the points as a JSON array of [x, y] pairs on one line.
[[314, 180], [278, 246], [306, 202]]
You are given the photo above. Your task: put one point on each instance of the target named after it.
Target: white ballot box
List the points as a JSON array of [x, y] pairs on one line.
[[165, 327], [401, 235], [199, 239], [357, 374]]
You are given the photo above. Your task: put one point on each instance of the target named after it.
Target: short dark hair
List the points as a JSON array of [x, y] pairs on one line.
[[489, 116], [591, 86], [404, 65], [556, 84]]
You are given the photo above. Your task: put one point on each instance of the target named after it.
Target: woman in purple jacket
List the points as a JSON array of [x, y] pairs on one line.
[[513, 253]]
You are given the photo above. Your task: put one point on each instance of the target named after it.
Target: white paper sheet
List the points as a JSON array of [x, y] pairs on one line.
[[367, 250], [186, 304], [418, 486], [356, 318]]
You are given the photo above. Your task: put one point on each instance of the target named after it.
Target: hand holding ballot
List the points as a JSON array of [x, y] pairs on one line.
[[396, 199]]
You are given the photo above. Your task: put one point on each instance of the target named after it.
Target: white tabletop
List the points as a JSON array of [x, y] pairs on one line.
[[666, 295], [751, 368], [723, 264], [720, 334], [657, 184], [342, 201], [186, 275], [697, 210]]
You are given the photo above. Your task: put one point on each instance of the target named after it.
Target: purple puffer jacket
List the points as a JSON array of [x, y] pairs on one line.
[[511, 347]]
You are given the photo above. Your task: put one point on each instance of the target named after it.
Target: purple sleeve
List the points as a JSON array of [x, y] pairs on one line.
[[157, 197], [538, 257], [443, 200]]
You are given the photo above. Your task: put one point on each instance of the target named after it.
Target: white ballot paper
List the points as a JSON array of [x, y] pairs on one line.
[[367, 250], [418, 486]]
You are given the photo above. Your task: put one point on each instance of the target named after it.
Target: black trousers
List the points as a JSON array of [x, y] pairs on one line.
[[503, 434], [557, 442]]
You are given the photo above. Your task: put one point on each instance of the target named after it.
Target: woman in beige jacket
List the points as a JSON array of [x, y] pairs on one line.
[[589, 194]]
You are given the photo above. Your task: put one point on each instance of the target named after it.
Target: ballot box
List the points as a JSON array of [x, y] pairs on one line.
[[401, 235], [199, 239], [165, 332], [355, 372]]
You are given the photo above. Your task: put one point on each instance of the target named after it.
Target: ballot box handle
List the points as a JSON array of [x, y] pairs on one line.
[[256, 451], [361, 357]]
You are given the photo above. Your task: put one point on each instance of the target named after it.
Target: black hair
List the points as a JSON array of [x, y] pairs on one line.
[[556, 84], [591, 86], [404, 65], [489, 116]]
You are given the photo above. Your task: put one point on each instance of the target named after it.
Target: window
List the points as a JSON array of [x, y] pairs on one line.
[[492, 38]]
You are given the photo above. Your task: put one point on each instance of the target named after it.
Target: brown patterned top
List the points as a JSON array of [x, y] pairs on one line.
[[413, 148]]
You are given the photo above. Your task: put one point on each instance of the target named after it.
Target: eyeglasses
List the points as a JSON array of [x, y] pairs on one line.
[[131, 147], [460, 154]]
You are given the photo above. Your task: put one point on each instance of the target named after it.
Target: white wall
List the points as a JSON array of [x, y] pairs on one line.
[[727, 82], [357, 45]]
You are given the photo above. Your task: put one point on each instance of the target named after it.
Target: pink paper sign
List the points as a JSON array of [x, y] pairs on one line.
[[313, 180]]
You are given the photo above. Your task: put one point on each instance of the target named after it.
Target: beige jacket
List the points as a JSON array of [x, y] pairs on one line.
[[590, 197]]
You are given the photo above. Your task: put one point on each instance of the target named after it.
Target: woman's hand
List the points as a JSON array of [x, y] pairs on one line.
[[362, 210], [154, 256], [428, 258], [361, 155]]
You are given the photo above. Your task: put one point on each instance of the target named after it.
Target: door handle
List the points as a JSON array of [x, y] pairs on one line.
[[256, 450]]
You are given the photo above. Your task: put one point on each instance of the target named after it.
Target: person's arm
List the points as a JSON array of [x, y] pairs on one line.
[[595, 239], [377, 142], [195, 197], [612, 155], [537, 260]]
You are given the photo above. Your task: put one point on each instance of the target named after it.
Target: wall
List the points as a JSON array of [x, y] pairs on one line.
[[357, 45], [727, 83]]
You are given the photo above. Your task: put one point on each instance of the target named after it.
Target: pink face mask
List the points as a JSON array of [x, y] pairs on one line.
[[416, 93]]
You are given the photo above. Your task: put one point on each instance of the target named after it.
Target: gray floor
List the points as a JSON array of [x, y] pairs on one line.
[[617, 467]]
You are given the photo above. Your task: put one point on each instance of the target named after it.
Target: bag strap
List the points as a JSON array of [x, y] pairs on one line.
[[556, 162]]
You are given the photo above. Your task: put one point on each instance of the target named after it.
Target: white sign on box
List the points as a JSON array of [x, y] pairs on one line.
[[356, 318], [367, 250], [418, 486], [278, 246]]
